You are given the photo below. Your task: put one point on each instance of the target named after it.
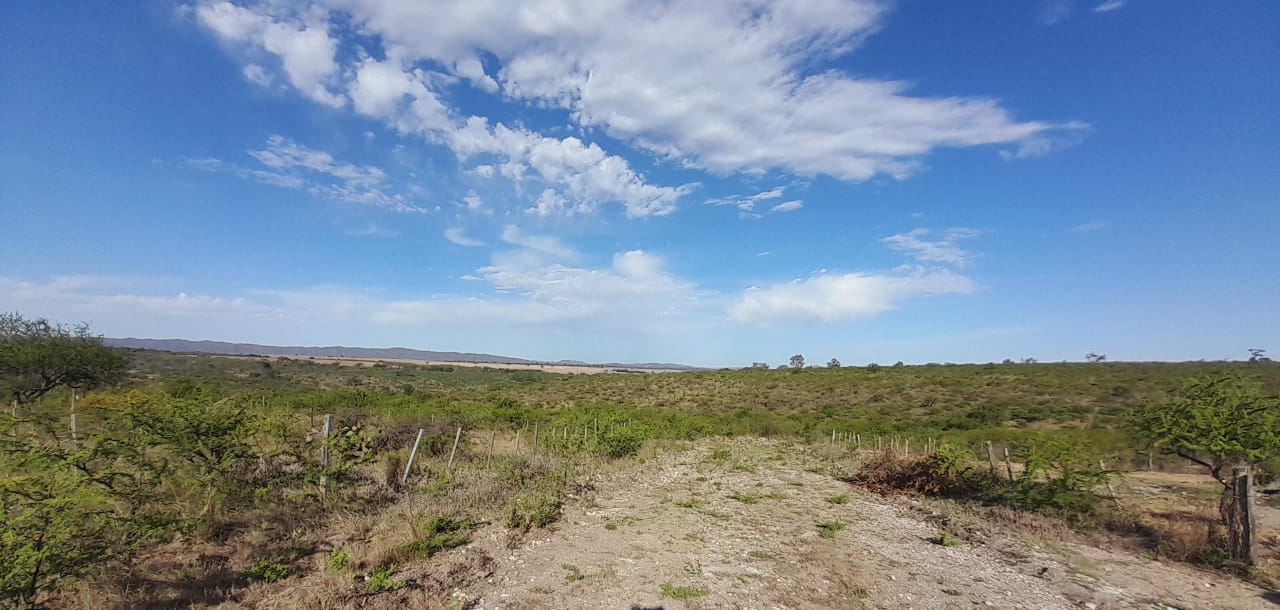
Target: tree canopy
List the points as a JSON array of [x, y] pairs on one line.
[[37, 355], [1216, 422]]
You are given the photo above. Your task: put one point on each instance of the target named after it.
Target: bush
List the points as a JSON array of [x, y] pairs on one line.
[[1057, 480]]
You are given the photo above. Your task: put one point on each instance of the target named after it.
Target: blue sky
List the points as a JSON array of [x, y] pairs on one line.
[[705, 182]]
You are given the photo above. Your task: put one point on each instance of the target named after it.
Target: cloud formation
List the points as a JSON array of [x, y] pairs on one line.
[[944, 249], [725, 87]]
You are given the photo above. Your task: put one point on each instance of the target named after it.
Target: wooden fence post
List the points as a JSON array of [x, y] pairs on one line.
[[413, 453], [991, 458], [906, 447], [325, 430], [535, 438], [493, 435], [833, 437], [1008, 466], [517, 441], [1242, 526], [454, 452], [75, 427]]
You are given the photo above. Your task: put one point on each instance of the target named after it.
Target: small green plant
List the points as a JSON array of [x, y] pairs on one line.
[[945, 539], [441, 533], [681, 593], [776, 495], [267, 571], [860, 593], [761, 555], [574, 574], [338, 559], [745, 498], [380, 580], [829, 529], [840, 499], [527, 513], [694, 503]]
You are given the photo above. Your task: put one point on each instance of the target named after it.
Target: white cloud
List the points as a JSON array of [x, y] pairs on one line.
[[943, 250], [747, 203], [582, 170], [830, 298], [457, 236], [287, 164], [540, 243], [789, 206], [1108, 6], [725, 87], [474, 203], [302, 45]]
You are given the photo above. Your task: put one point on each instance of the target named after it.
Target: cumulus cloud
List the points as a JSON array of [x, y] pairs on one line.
[[583, 171], [834, 297], [301, 45], [457, 236], [726, 87], [943, 250]]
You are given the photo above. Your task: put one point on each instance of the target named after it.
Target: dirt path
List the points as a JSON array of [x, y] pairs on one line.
[[738, 522]]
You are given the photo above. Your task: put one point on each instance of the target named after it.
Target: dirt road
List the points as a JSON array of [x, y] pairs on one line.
[[737, 525]]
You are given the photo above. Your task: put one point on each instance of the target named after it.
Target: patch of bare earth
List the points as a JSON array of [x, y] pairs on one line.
[[743, 532]]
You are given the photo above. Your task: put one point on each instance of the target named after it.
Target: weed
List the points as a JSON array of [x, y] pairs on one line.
[[681, 593], [533, 512], [840, 499], [574, 574], [745, 498], [945, 539], [761, 555], [776, 495], [441, 533], [860, 593], [338, 559], [267, 571], [694, 503], [380, 580], [829, 529]]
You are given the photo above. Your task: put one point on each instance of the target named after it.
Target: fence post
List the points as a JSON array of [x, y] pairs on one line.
[[456, 437], [1008, 466], [535, 438], [413, 453], [493, 434], [833, 437], [517, 441], [75, 427], [1110, 488], [1242, 528], [906, 447], [991, 457], [857, 441], [15, 407], [325, 430]]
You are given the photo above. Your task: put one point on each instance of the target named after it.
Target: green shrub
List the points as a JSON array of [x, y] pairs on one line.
[[533, 512], [380, 580], [681, 593], [267, 571], [441, 533]]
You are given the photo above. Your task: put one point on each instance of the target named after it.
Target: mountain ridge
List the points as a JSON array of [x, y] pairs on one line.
[[226, 348]]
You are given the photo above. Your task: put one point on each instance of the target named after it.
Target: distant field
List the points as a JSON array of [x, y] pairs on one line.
[[957, 400]]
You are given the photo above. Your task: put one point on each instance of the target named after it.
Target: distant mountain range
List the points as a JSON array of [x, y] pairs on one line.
[[369, 353]]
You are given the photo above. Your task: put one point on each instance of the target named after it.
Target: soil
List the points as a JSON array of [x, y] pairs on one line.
[[675, 521]]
